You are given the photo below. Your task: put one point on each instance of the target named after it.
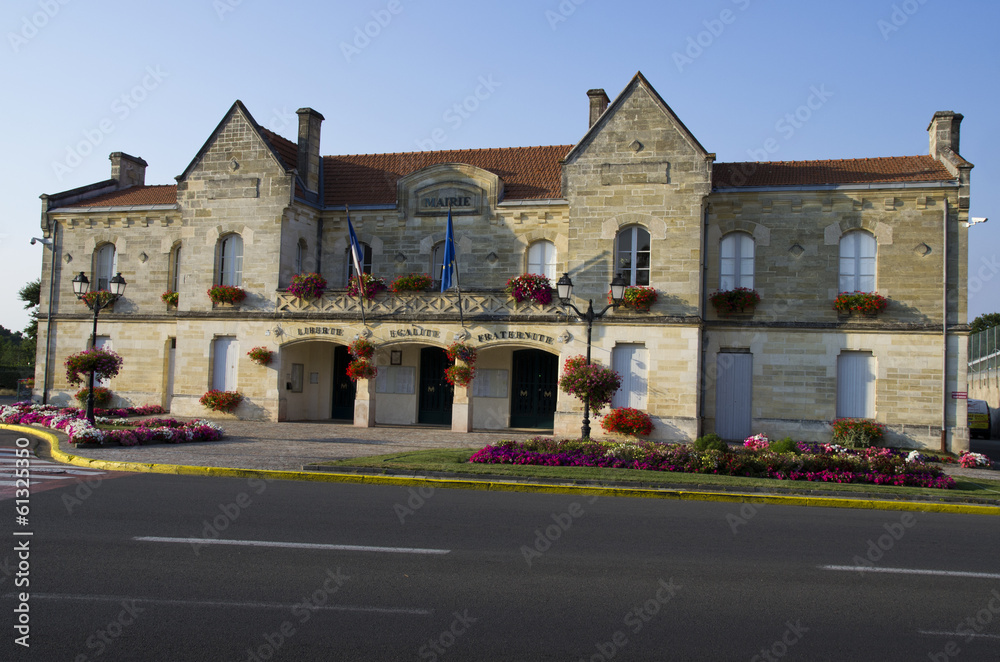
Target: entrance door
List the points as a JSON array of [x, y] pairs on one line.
[[733, 395], [436, 394], [343, 387], [533, 389]]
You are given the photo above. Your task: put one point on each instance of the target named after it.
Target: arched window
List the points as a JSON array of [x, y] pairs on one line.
[[736, 261], [300, 256], [632, 254], [366, 260], [437, 263], [174, 269], [857, 262], [105, 265], [542, 259], [231, 261]]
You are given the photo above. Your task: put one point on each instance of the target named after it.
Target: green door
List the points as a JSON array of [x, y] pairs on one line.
[[533, 389], [343, 386], [436, 393]]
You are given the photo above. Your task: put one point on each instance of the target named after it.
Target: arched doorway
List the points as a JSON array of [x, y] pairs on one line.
[[344, 387], [533, 389], [436, 394]]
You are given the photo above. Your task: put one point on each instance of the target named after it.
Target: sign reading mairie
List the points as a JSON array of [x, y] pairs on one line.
[[437, 200]]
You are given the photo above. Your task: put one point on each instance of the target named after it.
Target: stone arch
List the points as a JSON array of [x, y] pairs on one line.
[[656, 227], [760, 233]]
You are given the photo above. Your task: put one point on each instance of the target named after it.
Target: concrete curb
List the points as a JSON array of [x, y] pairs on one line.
[[499, 486]]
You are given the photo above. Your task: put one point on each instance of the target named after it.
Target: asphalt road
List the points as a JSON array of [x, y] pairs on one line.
[[129, 568]]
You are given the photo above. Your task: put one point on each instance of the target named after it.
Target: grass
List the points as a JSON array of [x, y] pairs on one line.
[[449, 460]]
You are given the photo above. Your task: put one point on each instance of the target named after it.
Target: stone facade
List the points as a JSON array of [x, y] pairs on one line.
[[637, 166]]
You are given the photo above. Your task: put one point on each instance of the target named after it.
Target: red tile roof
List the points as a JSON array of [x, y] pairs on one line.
[[528, 173], [286, 149], [135, 195], [889, 169]]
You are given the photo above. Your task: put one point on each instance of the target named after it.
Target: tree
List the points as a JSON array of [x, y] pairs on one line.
[[985, 321], [31, 294]]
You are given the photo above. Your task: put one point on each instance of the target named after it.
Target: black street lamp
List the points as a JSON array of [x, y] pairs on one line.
[[80, 286], [564, 288]]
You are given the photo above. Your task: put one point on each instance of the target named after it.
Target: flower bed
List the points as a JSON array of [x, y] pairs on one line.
[[626, 420], [224, 401], [811, 462], [73, 422]]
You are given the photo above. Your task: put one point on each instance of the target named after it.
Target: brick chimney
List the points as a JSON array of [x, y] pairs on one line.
[[308, 158], [598, 104], [127, 170], [944, 130]]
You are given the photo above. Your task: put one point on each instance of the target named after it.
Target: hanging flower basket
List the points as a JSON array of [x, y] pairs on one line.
[[530, 286], [460, 351], [260, 355], [626, 420], [460, 374], [589, 382], [368, 286], [362, 348], [104, 363], [98, 297], [224, 401], [226, 294], [170, 298], [361, 369], [411, 283], [307, 286], [638, 297], [102, 396], [740, 300], [866, 303]]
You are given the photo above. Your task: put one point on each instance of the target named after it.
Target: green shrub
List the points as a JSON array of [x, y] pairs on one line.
[[786, 445], [857, 432], [710, 442]]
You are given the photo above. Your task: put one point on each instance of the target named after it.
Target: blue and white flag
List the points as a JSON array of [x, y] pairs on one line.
[[356, 253], [450, 266]]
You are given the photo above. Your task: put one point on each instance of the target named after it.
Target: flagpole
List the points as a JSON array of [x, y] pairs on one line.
[[357, 265]]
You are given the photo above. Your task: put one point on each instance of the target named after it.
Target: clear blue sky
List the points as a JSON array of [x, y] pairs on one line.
[[153, 80]]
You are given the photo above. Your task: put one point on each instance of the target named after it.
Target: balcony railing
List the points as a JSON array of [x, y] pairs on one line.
[[475, 304]]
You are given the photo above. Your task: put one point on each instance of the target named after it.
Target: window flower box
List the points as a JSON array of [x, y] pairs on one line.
[[170, 298], [869, 304], [530, 286], [307, 286], [367, 286], [226, 294], [638, 297], [739, 300], [411, 283]]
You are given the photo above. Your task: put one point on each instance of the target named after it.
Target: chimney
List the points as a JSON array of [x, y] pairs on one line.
[[127, 170], [598, 104], [308, 159], [943, 130]]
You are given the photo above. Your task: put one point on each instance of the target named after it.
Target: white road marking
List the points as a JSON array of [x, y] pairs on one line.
[[294, 545], [912, 571], [228, 604], [935, 633]]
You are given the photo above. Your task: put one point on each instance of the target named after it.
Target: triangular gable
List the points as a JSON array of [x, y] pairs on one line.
[[236, 107], [637, 81]]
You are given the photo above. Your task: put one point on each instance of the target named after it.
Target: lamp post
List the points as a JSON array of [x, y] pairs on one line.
[[564, 288], [80, 286]]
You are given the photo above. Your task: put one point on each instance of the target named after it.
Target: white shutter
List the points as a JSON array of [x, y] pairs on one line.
[[630, 361], [103, 342], [224, 363], [733, 395], [856, 385]]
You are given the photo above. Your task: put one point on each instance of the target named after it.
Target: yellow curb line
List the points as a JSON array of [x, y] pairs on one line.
[[492, 486]]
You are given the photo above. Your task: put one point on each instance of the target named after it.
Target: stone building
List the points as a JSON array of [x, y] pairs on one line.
[[637, 195]]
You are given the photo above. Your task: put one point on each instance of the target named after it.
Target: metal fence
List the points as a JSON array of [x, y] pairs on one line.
[[984, 358]]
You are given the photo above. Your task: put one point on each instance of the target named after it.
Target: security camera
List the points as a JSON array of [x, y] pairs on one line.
[[46, 242], [976, 221]]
